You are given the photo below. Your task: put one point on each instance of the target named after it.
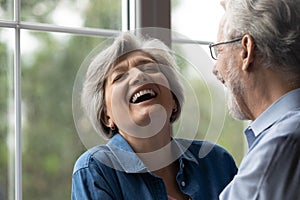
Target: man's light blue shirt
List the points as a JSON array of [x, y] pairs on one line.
[[271, 168]]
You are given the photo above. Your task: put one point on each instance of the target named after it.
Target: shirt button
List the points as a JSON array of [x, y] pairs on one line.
[[182, 183], [182, 165]]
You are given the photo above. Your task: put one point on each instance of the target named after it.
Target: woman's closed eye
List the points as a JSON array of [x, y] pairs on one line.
[[118, 77]]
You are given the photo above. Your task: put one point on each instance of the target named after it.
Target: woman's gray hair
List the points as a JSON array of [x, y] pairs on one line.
[[275, 27], [93, 93]]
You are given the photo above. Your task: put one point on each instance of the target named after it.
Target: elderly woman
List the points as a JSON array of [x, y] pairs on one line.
[[132, 95]]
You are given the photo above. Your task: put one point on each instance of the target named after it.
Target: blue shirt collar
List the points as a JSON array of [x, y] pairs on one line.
[[131, 163], [287, 102]]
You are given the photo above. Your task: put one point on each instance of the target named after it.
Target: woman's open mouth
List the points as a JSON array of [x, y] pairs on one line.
[[143, 95]]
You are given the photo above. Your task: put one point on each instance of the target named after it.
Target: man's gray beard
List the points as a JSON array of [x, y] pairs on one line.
[[234, 91], [233, 107]]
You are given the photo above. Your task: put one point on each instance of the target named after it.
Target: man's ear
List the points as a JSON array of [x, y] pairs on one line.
[[248, 45]]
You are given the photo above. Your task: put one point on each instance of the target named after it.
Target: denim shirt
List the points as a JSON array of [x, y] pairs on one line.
[[114, 171]]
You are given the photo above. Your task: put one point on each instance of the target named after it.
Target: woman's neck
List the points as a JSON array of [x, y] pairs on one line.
[[155, 151], [151, 144]]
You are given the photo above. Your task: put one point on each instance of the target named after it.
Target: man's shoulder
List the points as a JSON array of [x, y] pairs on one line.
[[283, 133], [288, 125]]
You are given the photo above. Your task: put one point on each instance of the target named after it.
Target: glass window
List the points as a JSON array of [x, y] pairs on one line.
[[7, 135], [6, 9], [50, 141], [105, 14], [49, 62], [197, 20]]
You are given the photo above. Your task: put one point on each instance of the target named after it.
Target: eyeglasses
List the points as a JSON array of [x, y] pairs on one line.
[[213, 46]]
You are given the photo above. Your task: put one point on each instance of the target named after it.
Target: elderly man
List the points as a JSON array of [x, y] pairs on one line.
[[258, 59]]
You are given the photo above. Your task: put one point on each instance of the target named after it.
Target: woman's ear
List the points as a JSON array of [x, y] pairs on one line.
[[175, 106], [248, 45], [107, 121]]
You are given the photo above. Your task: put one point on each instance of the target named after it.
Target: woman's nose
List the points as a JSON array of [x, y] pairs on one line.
[[137, 76]]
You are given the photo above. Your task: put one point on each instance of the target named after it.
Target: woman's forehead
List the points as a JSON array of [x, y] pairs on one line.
[[121, 63], [137, 55]]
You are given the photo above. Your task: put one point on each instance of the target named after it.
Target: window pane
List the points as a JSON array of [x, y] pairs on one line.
[[50, 141], [105, 14], [215, 124], [6, 9], [197, 20], [6, 115]]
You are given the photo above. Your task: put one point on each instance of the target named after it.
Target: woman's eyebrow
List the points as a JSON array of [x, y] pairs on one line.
[[120, 68], [145, 61]]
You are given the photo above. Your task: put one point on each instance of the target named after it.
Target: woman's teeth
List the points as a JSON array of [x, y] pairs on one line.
[[141, 93]]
